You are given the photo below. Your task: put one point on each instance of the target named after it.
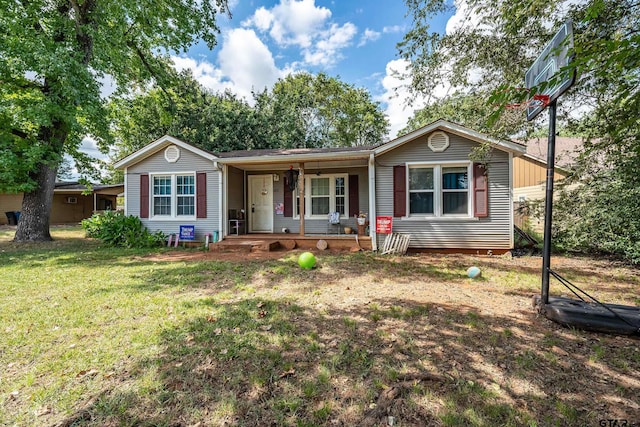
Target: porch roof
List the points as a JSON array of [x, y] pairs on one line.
[[284, 157]]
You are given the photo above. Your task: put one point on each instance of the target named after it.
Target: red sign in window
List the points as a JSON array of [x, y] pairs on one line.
[[384, 224]]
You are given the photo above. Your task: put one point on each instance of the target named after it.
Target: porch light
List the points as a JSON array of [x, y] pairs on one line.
[[292, 178]]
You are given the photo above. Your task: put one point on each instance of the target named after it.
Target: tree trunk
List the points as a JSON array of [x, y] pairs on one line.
[[36, 207]]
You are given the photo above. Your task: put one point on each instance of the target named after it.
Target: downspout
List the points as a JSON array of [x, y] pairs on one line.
[[511, 219], [301, 190], [222, 197], [372, 202], [126, 191]]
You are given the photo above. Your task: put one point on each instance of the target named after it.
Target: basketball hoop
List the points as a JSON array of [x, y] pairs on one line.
[[540, 101]]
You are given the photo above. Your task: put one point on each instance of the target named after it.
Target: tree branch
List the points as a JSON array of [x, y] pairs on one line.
[[19, 133]]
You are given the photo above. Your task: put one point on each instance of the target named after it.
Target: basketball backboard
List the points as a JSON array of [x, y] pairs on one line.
[[552, 61]]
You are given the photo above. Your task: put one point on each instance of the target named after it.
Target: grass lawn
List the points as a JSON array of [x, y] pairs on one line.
[[95, 336]]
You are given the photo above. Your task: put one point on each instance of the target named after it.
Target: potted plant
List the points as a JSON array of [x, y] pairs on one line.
[[361, 218]]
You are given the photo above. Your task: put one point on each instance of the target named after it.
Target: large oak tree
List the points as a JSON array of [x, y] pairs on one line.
[[53, 55]]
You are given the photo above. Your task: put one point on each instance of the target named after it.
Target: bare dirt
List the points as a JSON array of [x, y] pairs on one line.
[[499, 360]]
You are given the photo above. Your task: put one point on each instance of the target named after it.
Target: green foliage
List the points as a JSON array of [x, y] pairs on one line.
[[303, 110], [312, 111], [214, 122], [468, 109], [491, 55], [600, 216], [52, 58], [116, 229]]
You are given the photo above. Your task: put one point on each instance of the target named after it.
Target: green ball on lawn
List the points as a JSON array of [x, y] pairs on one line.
[[307, 260], [473, 272]]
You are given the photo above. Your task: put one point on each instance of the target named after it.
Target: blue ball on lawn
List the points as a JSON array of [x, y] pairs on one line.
[[473, 272]]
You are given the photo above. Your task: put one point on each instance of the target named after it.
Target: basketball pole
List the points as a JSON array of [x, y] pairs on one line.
[[548, 204]]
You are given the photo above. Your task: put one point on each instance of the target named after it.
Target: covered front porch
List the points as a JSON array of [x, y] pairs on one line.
[[287, 241], [299, 195]]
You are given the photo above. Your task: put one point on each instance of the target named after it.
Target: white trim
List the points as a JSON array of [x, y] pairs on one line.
[[438, 190], [297, 158], [126, 196], [332, 196], [437, 149], [508, 146], [372, 202], [174, 197], [172, 157], [511, 218], [223, 197], [158, 145]]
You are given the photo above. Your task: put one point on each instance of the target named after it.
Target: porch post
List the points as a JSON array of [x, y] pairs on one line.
[[372, 202], [301, 190]]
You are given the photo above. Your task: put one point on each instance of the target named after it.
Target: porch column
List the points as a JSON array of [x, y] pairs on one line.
[[301, 191], [372, 202]]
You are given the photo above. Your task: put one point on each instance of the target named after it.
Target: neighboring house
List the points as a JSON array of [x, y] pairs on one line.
[[424, 180], [69, 205], [530, 172]]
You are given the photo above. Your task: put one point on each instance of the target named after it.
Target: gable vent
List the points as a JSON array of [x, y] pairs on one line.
[[172, 154], [438, 142]]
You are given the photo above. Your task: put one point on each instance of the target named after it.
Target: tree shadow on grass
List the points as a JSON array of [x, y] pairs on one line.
[[258, 362]]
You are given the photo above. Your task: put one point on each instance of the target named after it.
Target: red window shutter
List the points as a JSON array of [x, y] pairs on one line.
[[288, 200], [144, 196], [201, 195], [399, 191], [480, 192], [354, 199]]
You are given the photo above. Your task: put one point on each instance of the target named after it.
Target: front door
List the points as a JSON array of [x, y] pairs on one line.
[[261, 203]]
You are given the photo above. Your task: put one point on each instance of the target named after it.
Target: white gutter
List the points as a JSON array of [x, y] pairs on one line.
[[296, 158], [372, 202]]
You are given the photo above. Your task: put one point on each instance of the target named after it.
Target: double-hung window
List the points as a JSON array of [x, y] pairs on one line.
[[186, 195], [455, 190], [173, 195], [421, 190], [439, 190], [324, 194]]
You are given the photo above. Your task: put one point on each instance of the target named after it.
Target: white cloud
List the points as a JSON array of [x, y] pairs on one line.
[[396, 96], [261, 19], [326, 51], [465, 17], [204, 72], [303, 24], [368, 36], [247, 61], [291, 22], [393, 29], [245, 64]]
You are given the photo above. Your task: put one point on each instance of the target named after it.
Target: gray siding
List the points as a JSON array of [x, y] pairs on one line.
[[493, 232], [188, 162], [320, 226]]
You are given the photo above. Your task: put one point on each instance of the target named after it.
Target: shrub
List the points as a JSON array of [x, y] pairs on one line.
[[116, 229]]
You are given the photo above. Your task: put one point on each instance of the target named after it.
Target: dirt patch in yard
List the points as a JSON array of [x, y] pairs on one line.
[[412, 338]]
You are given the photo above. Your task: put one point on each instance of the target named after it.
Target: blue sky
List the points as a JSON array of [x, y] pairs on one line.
[[354, 40], [268, 39]]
